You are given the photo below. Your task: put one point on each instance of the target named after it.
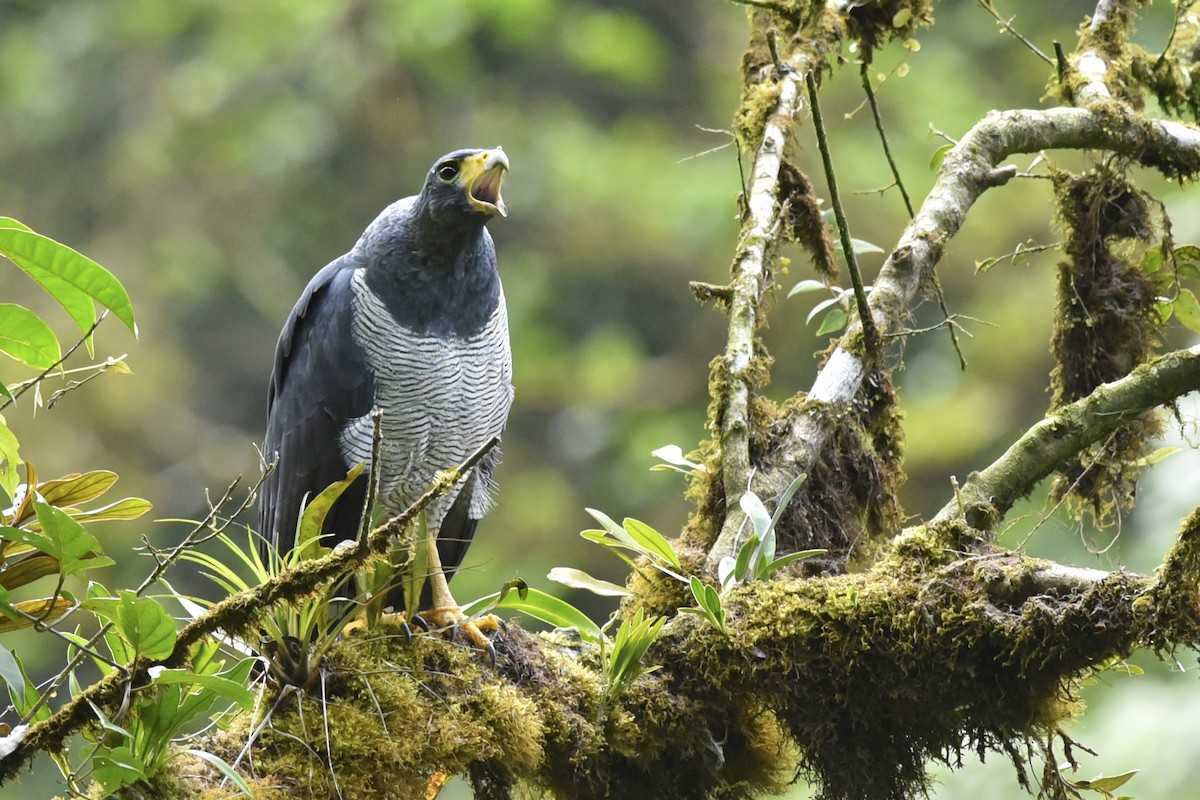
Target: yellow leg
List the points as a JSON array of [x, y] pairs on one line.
[[446, 611]]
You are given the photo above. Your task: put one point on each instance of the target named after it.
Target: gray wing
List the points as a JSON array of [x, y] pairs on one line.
[[320, 381]]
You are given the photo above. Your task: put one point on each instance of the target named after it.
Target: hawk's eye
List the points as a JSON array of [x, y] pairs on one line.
[[448, 172]]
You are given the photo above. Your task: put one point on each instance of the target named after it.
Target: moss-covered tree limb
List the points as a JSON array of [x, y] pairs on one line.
[[855, 680], [234, 615], [969, 169], [988, 494], [751, 277]]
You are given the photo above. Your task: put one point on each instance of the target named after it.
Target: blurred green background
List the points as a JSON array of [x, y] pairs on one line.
[[215, 155]]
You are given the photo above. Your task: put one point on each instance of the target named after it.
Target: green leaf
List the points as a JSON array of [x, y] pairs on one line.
[[1187, 252], [1106, 783], [11, 674], [651, 541], [127, 509], [741, 567], [73, 279], [142, 622], [233, 691], [24, 337], [835, 320], [615, 530], [805, 286], [10, 459], [541, 606], [859, 247], [1157, 456], [73, 489], [578, 579], [1187, 310], [771, 568], [824, 304], [64, 538], [116, 768], [1152, 260], [223, 767], [935, 161], [757, 512], [312, 521], [673, 455]]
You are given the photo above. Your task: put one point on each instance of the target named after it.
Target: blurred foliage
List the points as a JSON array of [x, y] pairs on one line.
[[216, 155]]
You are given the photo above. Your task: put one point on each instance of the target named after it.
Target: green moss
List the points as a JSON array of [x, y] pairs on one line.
[[1106, 325]]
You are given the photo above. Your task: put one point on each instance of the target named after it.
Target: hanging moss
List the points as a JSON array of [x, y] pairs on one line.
[[1106, 325], [802, 220]]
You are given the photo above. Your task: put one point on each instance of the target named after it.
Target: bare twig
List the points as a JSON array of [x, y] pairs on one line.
[[1007, 25], [25, 386], [870, 336]]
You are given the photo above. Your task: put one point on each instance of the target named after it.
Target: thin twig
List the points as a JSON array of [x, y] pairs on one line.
[[870, 335], [1007, 25], [865, 74], [25, 386]]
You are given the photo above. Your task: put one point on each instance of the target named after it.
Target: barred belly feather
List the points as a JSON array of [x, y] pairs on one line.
[[441, 399]]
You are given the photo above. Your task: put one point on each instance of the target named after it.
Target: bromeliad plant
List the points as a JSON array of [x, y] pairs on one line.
[[296, 636]]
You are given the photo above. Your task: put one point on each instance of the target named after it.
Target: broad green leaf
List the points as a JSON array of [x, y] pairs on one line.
[[76, 488], [673, 455], [741, 568], [1187, 310], [1187, 252], [11, 673], [312, 521], [835, 320], [47, 609], [116, 768], [64, 538], [1106, 783], [24, 337], [142, 622], [233, 691], [578, 579], [10, 459], [66, 274], [935, 161], [1152, 260], [651, 540], [824, 304], [126, 509], [9, 222], [1157, 456], [859, 247], [807, 285], [27, 570], [223, 767], [22, 691], [783, 561], [757, 512], [612, 527], [542, 606]]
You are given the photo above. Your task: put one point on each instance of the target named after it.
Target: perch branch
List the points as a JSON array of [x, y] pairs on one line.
[[235, 613]]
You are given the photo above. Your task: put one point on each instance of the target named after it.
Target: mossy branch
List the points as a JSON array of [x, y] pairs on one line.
[[988, 494], [751, 278], [235, 614], [855, 680], [969, 169]]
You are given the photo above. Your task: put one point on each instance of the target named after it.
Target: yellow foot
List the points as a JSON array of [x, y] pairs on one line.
[[359, 622], [450, 617]]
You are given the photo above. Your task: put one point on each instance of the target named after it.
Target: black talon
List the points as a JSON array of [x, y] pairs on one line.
[[407, 632], [420, 622], [491, 651]]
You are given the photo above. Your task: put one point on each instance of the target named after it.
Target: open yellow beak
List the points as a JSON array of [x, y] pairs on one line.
[[482, 174]]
